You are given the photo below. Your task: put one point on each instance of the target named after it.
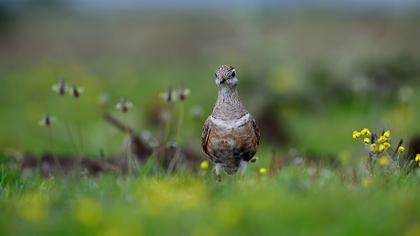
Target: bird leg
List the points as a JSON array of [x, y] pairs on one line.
[[218, 169], [242, 167]]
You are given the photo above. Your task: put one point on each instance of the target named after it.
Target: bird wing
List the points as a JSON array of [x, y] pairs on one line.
[[205, 135], [256, 130]]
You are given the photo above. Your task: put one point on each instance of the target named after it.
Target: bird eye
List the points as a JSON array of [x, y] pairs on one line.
[[233, 74]]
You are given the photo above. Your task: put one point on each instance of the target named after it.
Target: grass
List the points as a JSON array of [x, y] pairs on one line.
[[294, 202]]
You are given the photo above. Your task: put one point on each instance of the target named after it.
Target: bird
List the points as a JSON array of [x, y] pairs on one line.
[[230, 135]]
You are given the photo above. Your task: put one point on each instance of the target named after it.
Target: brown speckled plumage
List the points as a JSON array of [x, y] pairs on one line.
[[230, 133]]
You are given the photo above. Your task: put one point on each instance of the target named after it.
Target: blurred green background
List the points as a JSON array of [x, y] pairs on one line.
[[310, 73]]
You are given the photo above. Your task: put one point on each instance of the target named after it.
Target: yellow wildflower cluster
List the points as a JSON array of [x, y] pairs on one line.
[[364, 134], [417, 159], [379, 146]]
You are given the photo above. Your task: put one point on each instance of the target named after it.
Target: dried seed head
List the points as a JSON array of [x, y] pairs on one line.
[[75, 91], [169, 97], [47, 120], [124, 105], [60, 88], [183, 94]]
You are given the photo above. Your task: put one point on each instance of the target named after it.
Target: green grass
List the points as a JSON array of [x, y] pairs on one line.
[[292, 203]]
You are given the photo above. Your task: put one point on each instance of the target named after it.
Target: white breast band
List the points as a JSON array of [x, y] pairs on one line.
[[231, 124]]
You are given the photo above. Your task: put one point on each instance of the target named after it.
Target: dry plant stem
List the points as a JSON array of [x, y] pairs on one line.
[[279, 166], [369, 164], [73, 142], [67, 127], [69, 134], [178, 131], [50, 140], [166, 132], [80, 137], [127, 148], [168, 126], [272, 162], [79, 128], [180, 120]]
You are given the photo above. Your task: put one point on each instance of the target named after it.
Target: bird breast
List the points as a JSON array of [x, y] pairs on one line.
[[232, 135], [230, 124]]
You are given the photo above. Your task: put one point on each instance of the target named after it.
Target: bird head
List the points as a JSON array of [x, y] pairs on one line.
[[226, 77]]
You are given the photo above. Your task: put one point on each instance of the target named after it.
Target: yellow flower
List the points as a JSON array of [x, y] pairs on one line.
[[33, 207], [381, 147], [366, 182], [356, 134], [383, 161], [366, 140], [262, 171], [88, 211], [418, 157], [365, 132], [401, 149], [204, 165], [382, 139], [374, 147], [387, 145], [387, 134]]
